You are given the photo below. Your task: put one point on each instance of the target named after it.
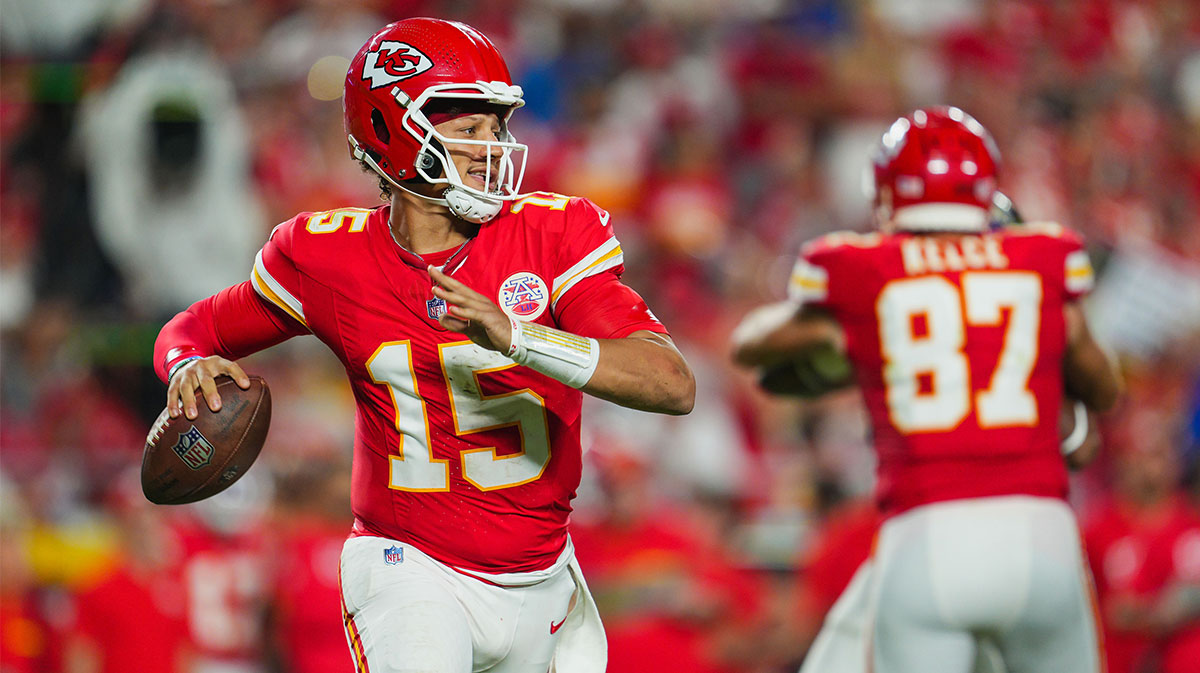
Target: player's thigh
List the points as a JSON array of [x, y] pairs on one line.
[[1057, 630], [401, 616], [909, 631], [841, 645], [536, 614]]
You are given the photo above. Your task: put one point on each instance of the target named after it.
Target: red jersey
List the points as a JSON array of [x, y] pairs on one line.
[[458, 450], [135, 621], [307, 600], [957, 343], [225, 589]]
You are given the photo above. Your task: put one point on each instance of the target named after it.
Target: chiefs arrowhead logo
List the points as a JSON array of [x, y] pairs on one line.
[[392, 62]]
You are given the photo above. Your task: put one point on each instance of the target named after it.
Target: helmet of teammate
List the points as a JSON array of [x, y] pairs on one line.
[[419, 72], [935, 170]]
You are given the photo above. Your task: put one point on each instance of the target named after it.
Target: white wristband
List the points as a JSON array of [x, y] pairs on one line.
[[560, 355], [1072, 442]]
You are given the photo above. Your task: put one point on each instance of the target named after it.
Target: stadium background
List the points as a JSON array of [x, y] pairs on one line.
[[148, 146]]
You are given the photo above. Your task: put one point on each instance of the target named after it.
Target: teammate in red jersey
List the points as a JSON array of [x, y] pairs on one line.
[[470, 318], [963, 342]]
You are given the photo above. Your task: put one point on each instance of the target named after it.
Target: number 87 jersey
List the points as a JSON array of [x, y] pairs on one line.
[[957, 342], [458, 450]]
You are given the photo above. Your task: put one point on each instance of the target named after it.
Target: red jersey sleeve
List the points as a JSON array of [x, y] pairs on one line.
[[587, 296], [819, 258], [233, 323], [1078, 277], [603, 307], [275, 276], [242, 319]]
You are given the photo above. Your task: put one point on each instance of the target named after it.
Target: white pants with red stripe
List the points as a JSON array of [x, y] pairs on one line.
[[1005, 569], [407, 613]]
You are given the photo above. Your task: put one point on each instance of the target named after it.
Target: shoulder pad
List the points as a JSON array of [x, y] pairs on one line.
[[841, 239], [1051, 230]]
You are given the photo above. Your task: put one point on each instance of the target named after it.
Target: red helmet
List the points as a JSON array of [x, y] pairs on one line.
[[935, 170], [396, 74]]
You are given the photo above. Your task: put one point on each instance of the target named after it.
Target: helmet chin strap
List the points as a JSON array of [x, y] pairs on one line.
[[470, 207], [464, 204]]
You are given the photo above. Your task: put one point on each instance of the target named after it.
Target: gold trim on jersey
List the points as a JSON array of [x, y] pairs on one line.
[[1079, 274], [605, 257], [271, 290], [808, 282]]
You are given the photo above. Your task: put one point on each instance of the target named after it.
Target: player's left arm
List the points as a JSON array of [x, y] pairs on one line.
[[641, 370], [1089, 373], [779, 332], [795, 349]]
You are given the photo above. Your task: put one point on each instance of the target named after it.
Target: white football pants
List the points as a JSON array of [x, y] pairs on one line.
[[841, 645], [1009, 570], [407, 613]]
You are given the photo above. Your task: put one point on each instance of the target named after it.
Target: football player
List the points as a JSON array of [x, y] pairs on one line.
[[963, 340], [470, 319]]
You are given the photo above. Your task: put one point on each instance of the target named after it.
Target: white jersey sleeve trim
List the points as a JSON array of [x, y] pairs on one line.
[[808, 283], [605, 257], [271, 290], [1079, 275]]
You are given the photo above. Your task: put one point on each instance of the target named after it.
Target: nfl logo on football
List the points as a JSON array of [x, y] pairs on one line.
[[523, 295], [194, 449], [393, 555]]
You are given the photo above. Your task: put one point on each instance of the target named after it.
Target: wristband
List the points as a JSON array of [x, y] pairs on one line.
[[562, 356], [175, 367], [1072, 442]]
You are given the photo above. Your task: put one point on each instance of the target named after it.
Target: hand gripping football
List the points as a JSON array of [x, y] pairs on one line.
[[189, 460]]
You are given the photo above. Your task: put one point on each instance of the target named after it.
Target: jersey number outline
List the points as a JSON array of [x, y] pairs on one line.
[[414, 468], [938, 352]]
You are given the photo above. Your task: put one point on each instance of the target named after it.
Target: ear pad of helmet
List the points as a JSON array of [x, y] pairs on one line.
[[428, 163]]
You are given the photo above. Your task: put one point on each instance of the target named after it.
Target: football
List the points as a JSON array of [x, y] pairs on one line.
[[189, 460], [816, 371]]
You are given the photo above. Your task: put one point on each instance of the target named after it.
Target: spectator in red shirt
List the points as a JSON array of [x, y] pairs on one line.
[[313, 515], [132, 619], [1144, 550], [671, 599]]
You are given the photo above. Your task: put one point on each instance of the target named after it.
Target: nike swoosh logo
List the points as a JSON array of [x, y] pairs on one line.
[[555, 627]]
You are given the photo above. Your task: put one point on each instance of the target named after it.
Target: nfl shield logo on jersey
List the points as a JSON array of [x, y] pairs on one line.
[[436, 307], [393, 555], [194, 449], [523, 295]]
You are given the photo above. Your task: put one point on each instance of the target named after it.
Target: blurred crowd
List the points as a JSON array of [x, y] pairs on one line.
[[147, 147]]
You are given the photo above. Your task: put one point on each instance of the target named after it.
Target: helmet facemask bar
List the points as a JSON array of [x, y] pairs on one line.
[[505, 184]]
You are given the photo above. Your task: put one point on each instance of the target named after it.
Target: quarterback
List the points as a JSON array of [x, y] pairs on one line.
[[470, 318], [964, 340]]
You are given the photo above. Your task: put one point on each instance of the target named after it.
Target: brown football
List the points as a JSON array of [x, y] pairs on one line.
[[189, 460]]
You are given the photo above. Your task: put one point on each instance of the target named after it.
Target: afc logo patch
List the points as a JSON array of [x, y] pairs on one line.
[[194, 449], [524, 295], [393, 555], [392, 62]]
